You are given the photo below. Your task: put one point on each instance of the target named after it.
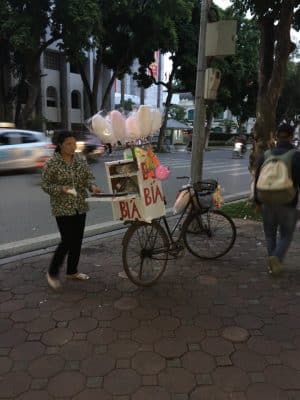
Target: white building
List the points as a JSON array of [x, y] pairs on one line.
[[63, 100]]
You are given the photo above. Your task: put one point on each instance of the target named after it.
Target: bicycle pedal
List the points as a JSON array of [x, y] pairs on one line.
[[178, 250]]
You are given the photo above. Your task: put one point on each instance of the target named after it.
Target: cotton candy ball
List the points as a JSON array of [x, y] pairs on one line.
[[118, 125], [132, 127], [109, 136], [98, 124], [103, 129], [162, 172], [156, 120], [144, 118]]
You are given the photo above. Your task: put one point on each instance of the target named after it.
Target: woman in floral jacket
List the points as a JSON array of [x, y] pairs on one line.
[[66, 178]]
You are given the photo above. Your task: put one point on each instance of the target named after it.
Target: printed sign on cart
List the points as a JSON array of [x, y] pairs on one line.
[[150, 203]]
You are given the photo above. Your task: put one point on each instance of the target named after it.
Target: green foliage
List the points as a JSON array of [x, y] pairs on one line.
[[127, 106], [229, 125], [260, 8], [175, 33], [177, 112], [289, 101], [242, 210], [37, 123], [80, 25], [24, 23], [136, 29], [224, 137]]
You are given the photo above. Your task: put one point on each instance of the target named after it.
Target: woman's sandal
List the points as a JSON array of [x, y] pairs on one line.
[[79, 275]]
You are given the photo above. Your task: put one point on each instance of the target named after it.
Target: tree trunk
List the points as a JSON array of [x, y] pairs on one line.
[[165, 120], [3, 110], [32, 79], [142, 95], [166, 110], [108, 90], [275, 48], [122, 98], [91, 93]]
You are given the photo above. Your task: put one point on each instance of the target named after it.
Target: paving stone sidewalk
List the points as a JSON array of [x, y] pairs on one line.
[[208, 330]]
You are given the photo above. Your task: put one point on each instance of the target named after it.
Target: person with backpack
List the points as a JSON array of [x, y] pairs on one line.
[[277, 181]]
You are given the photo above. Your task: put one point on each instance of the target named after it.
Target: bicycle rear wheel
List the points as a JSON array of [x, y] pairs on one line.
[[145, 253], [208, 234]]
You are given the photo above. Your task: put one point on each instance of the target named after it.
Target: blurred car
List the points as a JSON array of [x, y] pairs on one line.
[[88, 145], [296, 142], [23, 149]]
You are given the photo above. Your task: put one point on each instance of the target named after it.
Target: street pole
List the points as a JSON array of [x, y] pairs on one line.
[[198, 142]]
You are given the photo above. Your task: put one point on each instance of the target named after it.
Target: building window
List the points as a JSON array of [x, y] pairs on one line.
[[74, 68], [191, 114], [51, 96], [75, 99], [51, 60]]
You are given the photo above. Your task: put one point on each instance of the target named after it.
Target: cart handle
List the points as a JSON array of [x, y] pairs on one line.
[[120, 194]]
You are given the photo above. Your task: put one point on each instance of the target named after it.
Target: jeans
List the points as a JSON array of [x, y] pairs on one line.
[[71, 229], [280, 218]]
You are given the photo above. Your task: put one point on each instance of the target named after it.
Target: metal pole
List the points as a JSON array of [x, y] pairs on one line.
[[198, 142]]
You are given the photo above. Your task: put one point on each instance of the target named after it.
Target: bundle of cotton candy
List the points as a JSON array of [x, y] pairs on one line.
[[144, 118], [132, 127], [156, 120], [102, 128], [118, 125]]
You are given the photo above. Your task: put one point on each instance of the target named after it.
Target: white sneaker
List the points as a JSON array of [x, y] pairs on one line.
[[53, 282]]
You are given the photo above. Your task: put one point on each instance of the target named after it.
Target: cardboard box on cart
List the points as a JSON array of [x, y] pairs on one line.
[[145, 201]]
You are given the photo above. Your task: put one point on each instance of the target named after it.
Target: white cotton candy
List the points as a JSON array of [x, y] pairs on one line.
[[156, 120], [102, 128], [99, 124], [132, 127], [144, 118], [118, 125]]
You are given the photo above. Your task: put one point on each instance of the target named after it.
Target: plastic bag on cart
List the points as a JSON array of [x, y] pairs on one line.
[[181, 201], [217, 198]]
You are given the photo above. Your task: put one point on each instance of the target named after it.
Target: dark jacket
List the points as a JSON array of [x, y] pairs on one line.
[[281, 148]]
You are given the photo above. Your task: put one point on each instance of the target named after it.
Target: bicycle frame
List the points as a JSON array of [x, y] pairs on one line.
[[192, 205]]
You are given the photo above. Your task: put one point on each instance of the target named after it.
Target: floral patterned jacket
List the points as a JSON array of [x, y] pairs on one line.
[[57, 173]]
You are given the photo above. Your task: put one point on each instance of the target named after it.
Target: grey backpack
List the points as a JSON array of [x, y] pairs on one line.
[[274, 184]]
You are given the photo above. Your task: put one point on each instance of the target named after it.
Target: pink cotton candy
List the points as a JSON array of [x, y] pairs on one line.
[[132, 127], [162, 172]]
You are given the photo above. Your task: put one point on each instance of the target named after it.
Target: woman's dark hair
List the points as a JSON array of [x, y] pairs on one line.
[[59, 137]]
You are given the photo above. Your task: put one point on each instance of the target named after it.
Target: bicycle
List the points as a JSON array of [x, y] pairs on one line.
[[147, 247]]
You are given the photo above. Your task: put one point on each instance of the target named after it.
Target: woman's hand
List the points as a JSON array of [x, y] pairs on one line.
[[64, 189], [95, 189]]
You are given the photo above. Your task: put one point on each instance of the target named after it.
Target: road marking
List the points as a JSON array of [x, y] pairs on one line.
[[241, 173], [225, 170], [236, 195], [220, 165]]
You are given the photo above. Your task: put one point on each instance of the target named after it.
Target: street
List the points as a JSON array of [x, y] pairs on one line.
[[25, 210]]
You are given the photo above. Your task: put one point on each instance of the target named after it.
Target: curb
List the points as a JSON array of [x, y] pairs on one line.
[[45, 244], [46, 241]]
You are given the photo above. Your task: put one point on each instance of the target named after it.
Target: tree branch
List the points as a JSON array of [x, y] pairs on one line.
[[155, 82]]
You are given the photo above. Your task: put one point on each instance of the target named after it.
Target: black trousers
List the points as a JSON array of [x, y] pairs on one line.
[[71, 230]]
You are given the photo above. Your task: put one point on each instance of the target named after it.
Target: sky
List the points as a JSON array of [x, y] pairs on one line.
[[222, 3]]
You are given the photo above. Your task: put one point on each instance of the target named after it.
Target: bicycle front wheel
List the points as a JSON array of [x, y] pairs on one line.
[[208, 234], [145, 253]]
